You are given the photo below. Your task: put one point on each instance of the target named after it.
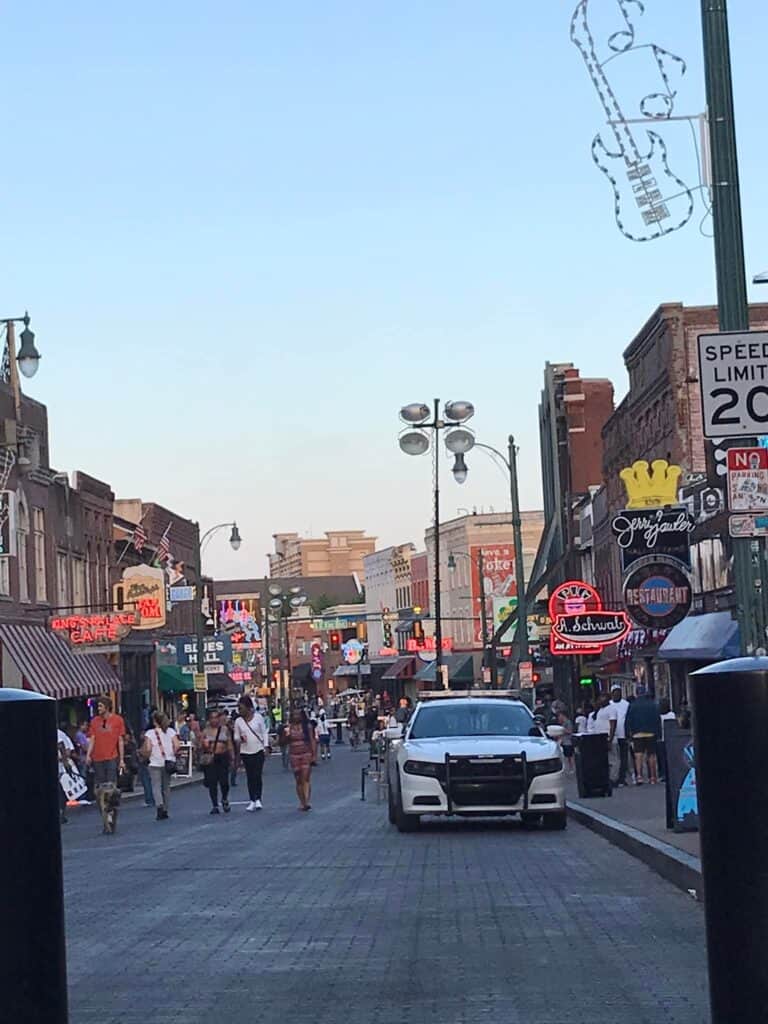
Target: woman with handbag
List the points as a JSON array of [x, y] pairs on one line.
[[252, 739], [160, 748], [215, 759]]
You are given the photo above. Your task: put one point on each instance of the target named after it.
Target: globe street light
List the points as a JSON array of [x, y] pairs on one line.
[[28, 359], [283, 603], [416, 440]]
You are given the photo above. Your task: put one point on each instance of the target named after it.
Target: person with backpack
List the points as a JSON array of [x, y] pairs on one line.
[[252, 741], [161, 745]]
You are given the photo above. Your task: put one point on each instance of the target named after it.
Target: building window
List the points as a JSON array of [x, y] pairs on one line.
[[62, 582], [79, 595], [22, 536], [88, 579], [5, 577], [38, 525]]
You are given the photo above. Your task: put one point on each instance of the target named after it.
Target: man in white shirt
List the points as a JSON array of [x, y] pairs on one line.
[[252, 739], [604, 721], [621, 706]]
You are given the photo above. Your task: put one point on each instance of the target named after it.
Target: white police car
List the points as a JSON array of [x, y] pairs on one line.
[[475, 755]]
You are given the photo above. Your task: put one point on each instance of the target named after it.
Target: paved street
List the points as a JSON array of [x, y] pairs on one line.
[[334, 914]]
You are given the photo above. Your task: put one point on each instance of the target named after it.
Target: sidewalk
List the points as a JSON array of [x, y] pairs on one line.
[[634, 818]]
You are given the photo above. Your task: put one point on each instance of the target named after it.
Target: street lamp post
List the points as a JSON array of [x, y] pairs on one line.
[[285, 603], [27, 360], [483, 610], [521, 612], [414, 440], [235, 541]]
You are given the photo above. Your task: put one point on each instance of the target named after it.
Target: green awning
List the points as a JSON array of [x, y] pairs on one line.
[[170, 679], [460, 669]]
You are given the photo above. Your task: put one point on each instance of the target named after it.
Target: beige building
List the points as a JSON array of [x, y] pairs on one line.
[[463, 539], [338, 553]]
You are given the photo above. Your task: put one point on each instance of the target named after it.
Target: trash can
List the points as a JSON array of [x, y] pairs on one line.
[[592, 772]]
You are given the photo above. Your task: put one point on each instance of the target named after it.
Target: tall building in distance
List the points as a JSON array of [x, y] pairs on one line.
[[572, 413], [336, 553]]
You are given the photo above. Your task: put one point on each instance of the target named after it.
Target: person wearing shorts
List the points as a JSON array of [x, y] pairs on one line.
[[643, 725], [106, 744], [323, 734]]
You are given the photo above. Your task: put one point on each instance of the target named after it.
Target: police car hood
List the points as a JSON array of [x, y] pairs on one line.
[[536, 748]]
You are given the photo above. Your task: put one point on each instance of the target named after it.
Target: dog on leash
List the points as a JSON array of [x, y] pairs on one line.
[[108, 797]]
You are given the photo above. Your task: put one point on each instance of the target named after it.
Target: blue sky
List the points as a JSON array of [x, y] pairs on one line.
[[247, 233]]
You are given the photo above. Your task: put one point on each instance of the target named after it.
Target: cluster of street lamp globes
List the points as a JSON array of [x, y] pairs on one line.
[[286, 603], [414, 439]]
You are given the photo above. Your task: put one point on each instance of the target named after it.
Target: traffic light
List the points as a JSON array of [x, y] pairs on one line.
[[418, 630], [335, 641]]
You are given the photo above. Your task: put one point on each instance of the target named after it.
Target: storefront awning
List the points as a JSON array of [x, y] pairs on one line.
[[48, 666], [170, 679], [352, 670], [403, 668], [460, 669], [710, 637]]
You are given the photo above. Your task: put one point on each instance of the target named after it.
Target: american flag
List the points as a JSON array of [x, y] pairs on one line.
[[139, 538], [164, 547]]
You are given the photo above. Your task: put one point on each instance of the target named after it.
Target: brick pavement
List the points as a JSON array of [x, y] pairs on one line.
[[333, 914]]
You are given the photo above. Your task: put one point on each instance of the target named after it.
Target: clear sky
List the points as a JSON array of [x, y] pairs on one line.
[[248, 232]]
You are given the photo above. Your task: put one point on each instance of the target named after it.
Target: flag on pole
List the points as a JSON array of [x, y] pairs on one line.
[[139, 538], [164, 547]]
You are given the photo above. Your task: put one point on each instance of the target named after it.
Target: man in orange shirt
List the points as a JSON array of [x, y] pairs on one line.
[[106, 751]]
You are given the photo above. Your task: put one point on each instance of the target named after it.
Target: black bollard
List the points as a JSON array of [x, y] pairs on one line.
[[730, 711], [339, 735], [33, 972]]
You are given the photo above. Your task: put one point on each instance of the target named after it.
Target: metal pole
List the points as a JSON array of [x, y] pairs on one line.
[[521, 634], [729, 251], [438, 600], [33, 970], [288, 667], [483, 609], [13, 368], [734, 834]]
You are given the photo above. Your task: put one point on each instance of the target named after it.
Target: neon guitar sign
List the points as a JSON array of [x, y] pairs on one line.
[[650, 200]]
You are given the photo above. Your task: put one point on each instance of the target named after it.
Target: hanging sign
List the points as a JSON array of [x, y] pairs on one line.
[[659, 531], [747, 479], [596, 628], [651, 486], [143, 589], [94, 631], [657, 593], [316, 655], [579, 621], [352, 652]]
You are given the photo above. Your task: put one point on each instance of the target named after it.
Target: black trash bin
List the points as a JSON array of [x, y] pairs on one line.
[[592, 772]]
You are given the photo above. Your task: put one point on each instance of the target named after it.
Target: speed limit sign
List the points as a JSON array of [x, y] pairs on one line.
[[733, 376]]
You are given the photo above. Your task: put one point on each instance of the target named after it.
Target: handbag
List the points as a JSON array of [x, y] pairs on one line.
[[170, 766], [206, 758]]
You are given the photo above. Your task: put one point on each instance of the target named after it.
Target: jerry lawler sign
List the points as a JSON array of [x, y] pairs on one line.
[[659, 531]]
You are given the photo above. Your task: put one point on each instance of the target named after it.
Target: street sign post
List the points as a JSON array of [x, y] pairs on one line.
[[733, 376]]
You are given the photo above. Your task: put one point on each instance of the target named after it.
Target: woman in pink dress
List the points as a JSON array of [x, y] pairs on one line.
[[302, 749]]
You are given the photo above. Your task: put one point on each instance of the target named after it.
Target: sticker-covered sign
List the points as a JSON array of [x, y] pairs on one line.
[[747, 479]]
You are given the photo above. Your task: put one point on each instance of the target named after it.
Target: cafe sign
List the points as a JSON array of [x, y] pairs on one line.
[[94, 631], [143, 589]]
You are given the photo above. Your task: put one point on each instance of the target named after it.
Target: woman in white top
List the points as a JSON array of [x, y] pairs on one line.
[[160, 745], [252, 741]]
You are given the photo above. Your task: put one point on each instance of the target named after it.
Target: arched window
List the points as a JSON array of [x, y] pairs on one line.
[[22, 540]]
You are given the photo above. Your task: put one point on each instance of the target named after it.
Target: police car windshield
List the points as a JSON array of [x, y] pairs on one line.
[[474, 718]]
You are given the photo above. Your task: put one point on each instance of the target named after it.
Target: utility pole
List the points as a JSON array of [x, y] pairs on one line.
[[733, 309], [521, 634], [438, 596], [483, 609]]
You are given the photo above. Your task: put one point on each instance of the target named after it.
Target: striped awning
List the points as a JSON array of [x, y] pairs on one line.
[[48, 666]]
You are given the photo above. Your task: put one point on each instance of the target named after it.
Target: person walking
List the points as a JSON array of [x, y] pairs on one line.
[[323, 735], [161, 745], [216, 746], [144, 777], [353, 724], [621, 707], [252, 741], [643, 725], [603, 721], [566, 741], [106, 744], [302, 748]]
